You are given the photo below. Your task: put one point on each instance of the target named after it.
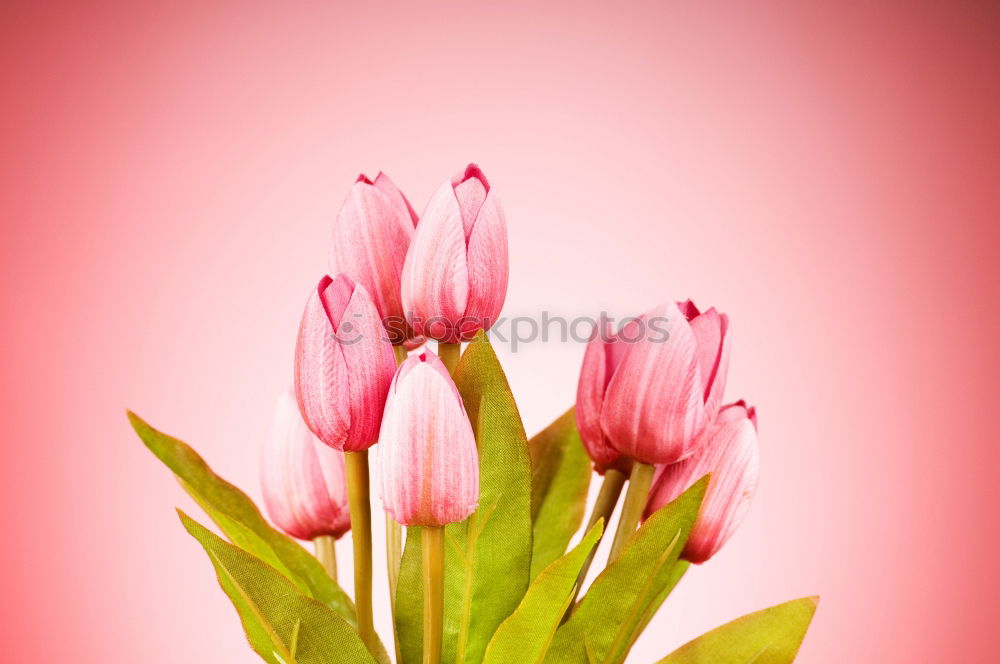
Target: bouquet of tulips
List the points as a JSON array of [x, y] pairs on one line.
[[484, 571]]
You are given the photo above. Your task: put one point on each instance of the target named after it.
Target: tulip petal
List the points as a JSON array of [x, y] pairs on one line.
[[370, 363], [689, 309], [435, 281], [730, 453], [321, 385], [428, 462], [389, 188], [487, 269], [736, 411], [370, 238], [654, 410], [335, 294], [711, 329], [470, 194], [303, 480], [598, 367]]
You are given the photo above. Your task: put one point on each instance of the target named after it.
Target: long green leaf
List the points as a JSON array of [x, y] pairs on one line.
[[283, 625], [498, 541], [230, 502], [560, 479], [527, 633], [771, 636], [487, 556], [409, 607], [245, 538], [617, 605]]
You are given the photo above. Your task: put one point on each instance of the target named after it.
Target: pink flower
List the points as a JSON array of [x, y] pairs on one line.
[[667, 383], [730, 453], [428, 462], [343, 365], [303, 480], [600, 361], [455, 275], [370, 238]]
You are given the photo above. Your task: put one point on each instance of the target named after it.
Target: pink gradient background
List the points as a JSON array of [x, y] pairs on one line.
[[826, 176]]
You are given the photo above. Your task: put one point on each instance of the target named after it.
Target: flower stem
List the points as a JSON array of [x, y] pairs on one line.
[[432, 546], [394, 544], [635, 504], [361, 534], [401, 354], [449, 354], [607, 500], [327, 554]]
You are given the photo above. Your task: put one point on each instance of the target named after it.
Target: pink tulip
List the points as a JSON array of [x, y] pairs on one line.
[[428, 462], [667, 384], [730, 453], [455, 275], [343, 365], [600, 361], [370, 238], [303, 480]]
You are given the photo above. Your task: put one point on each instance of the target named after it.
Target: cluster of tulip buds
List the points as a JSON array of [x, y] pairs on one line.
[[650, 407], [649, 411]]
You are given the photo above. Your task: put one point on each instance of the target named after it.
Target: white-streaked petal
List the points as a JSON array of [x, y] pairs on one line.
[[435, 279], [321, 384], [370, 238], [729, 451], [370, 363], [428, 461], [488, 268], [654, 406], [302, 479]]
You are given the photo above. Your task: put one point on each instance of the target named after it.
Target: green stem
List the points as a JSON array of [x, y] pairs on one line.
[[327, 554], [635, 504], [607, 500], [394, 544], [449, 354], [361, 534], [393, 531], [432, 546], [401, 354]]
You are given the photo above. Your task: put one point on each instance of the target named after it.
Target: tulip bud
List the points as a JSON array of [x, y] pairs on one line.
[[428, 461], [343, 365], [600, 361], [730, 453], [667, 384], [302, 479], [370, 238], [455, 275]]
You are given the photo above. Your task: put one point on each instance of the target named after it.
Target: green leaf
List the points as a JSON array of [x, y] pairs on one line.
[[560, 479], [235, 507], [487, 556], [771, 636], [283, 625], [527, 633], [676, 574], [409, 607], [245, 538], [623, 597]]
